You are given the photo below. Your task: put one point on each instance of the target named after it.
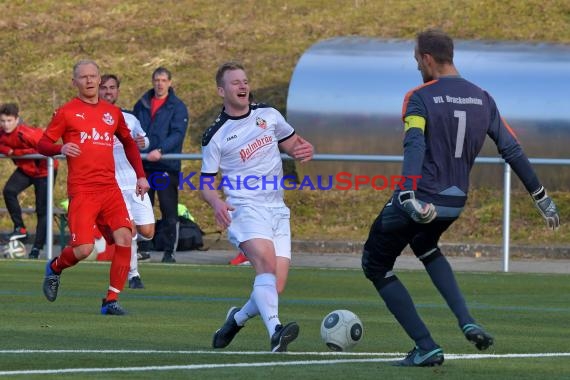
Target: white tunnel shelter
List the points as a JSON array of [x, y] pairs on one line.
[[346, 96]]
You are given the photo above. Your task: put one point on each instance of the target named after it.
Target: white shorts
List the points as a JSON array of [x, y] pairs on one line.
[[140, 210], [259, 222]]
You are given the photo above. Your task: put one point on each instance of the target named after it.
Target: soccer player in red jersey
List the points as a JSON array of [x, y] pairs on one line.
[[86, 126]]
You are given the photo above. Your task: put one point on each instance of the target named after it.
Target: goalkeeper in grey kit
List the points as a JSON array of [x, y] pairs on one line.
[[446, 121]]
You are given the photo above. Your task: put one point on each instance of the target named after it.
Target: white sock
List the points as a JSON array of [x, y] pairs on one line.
[[248, 311], [267, 300], [134, 271]]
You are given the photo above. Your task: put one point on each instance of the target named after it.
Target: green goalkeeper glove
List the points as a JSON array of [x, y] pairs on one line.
[[546, 207]]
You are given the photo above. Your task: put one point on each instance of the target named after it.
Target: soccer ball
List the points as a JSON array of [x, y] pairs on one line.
[[15, 249], [341, 330]]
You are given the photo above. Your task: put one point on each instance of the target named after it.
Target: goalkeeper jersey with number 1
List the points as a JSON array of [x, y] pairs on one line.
[[458, 116]]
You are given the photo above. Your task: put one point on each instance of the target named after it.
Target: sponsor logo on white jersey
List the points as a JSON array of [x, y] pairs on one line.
[[253, 147]]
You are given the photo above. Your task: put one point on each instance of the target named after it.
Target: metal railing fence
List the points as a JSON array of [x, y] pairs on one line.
[[325, 157]]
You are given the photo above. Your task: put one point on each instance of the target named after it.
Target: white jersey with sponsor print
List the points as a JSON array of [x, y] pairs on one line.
[[124, 172], [245, 150]]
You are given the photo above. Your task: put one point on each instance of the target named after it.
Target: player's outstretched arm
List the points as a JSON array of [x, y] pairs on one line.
[[298, 148], [546, 208]]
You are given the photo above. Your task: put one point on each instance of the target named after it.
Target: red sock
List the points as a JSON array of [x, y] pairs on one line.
[[65, 260], [119, 271]]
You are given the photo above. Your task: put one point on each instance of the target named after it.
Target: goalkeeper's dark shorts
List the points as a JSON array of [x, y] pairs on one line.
[[392, 231]]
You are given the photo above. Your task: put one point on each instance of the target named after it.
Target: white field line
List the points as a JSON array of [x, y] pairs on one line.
[[194, 352], [237, 365]]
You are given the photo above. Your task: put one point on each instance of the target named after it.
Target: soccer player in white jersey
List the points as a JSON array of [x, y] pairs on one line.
[[140, 210], [243, 143]]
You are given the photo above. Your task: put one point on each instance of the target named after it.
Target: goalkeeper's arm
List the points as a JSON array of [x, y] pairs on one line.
[[545, 205], [414, 151]]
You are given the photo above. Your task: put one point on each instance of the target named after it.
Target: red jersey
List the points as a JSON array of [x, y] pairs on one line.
[[91, 127], [24, 140]]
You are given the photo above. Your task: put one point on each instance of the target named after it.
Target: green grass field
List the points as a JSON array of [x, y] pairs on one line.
[[168, 331]]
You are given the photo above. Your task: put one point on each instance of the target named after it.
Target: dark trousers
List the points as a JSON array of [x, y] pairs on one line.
[[167, 193], [16, 184], [390, 233]]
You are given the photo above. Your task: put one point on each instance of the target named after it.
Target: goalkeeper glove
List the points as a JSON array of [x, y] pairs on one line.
[[546, 207], [420, 214]]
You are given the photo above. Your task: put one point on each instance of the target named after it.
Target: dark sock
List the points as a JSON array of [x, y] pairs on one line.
[[442, 276], [400, 303]]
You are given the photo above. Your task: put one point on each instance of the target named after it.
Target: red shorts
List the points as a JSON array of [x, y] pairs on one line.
[[104, 210]]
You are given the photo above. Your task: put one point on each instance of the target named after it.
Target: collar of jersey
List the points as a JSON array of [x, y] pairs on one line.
[[236, 117]]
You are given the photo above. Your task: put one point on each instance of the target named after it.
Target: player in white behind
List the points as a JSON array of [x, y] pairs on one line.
[[244, 142], [140, 210]]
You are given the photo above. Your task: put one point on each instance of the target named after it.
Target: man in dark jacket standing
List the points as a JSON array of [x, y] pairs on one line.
[[164, 118]]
